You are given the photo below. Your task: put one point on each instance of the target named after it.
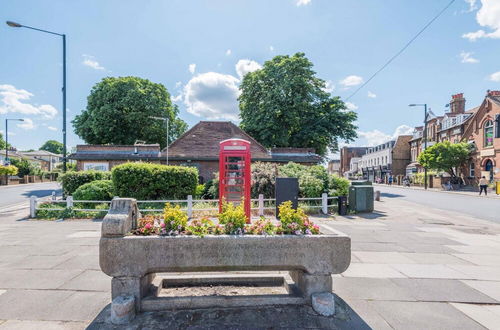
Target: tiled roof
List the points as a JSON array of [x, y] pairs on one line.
[[202, 141]]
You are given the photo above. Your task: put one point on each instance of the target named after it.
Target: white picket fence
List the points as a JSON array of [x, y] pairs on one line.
[[34, 203]]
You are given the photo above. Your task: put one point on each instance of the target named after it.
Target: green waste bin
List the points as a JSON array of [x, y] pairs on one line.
[[361, 198], [361, 183]]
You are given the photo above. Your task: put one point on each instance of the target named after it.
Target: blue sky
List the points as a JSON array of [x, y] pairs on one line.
[[199, 50]]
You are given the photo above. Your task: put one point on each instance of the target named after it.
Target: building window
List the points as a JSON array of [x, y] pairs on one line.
[[472, 172], [488, 133]]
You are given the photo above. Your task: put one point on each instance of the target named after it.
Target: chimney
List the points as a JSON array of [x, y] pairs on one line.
[[457, 103]]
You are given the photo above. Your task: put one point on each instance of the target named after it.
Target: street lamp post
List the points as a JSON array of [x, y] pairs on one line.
[[7, 144], [17, 25], [167, 121], [424, 137]]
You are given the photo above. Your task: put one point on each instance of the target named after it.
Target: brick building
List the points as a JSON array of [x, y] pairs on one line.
[[198, 147], [386, 159], [483, 132], [346, 153]]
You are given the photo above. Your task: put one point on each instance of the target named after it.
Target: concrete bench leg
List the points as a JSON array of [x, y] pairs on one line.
[[310, 284], [137, 287], [317, 289]]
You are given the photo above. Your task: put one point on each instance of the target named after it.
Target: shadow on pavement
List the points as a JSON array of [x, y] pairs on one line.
[[41, 192], [263, 317], [389, 195]]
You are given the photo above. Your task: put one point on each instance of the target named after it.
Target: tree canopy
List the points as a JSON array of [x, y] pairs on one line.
[[119, 111], [53, 146], [445, 156], [2, 142], [284, 104]]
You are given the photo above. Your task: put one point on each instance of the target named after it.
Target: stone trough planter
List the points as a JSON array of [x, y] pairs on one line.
[[133, 261]]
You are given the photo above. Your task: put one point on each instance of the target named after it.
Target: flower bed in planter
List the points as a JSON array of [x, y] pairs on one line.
[[133, 260]]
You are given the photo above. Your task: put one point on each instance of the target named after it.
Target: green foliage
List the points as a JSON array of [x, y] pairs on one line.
[[233, 218], [62, 212], [203, 226], [174, 219], [53, 146], [70, 181], [263, 179], [212, 188], [284, 104], [313, 180], [338, 186], [200, 189], [295, 221], [25, 167], [8, 170], [262, 226], [153, 181], [445, 156], [69, 167], [119, 110], [99, 190], [2, 141]]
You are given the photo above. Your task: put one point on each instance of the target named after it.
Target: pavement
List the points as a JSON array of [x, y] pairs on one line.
[[413, 267], [17, 196]]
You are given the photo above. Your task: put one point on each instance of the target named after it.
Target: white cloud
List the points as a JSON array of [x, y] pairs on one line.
[[192, 68], [90, 61], [228, 52], [372, 95], [495, 76], [245, 66], [472, 5], [52, 128], [299, 3], [271, 48], [467, 57], [376, 137], [351, 80], [11, 100], [178, 84], [329, 86], [351, 106], [212, 95], [177, 98], [26, 124], [488, 16]]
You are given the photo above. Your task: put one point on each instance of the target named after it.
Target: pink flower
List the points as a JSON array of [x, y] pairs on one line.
[[162, 225], [147, 226]]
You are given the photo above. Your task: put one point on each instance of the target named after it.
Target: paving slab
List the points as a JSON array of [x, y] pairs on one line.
[[489, 273], [52, 325], [429, 271], [382, 257], [441, 290], [489, 288], [487, 316], [480, 260], [89, 280], [36, 278], [372, 270], [435, 258], [82, 262], [371, 289], [406, 315]]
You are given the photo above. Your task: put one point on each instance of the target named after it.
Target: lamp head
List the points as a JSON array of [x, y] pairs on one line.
[[412, 105], [13, 24]]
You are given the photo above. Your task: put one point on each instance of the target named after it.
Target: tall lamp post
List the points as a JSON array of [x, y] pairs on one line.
[[17, 25], [424, 137], [7, 162], [167, 121]]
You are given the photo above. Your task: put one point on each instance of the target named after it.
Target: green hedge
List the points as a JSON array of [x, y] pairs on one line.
[[99, 190], [72, 180], [145, 181]]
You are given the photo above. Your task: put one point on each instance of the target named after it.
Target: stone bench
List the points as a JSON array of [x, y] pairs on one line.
[[133, 261]]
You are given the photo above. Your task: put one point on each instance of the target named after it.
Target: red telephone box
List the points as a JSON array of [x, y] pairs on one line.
[[234, 173]]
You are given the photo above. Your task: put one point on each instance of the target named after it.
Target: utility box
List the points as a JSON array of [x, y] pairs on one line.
[[361, 198], [287, 189], [361, 183]]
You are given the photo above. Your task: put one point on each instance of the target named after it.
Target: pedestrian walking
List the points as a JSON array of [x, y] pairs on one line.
[[483, 185], [390, 180]]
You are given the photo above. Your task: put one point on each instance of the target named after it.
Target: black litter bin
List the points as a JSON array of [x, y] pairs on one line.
[[342, 205]]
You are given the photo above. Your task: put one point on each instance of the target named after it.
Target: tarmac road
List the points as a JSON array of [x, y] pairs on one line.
[[17, 196], [477, 206]]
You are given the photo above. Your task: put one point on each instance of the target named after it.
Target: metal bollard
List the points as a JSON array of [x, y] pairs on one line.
[[377, 195]]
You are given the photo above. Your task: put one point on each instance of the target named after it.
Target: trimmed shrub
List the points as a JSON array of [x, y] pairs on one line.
[[263, 179], [72, 180], [99, 190], [8, 170], [338, 186], [145, 181]]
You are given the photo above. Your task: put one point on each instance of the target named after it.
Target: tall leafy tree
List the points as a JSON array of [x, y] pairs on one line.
[[2, 141], [53, 146], [284, 104], [445, 156], [119, 111]]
